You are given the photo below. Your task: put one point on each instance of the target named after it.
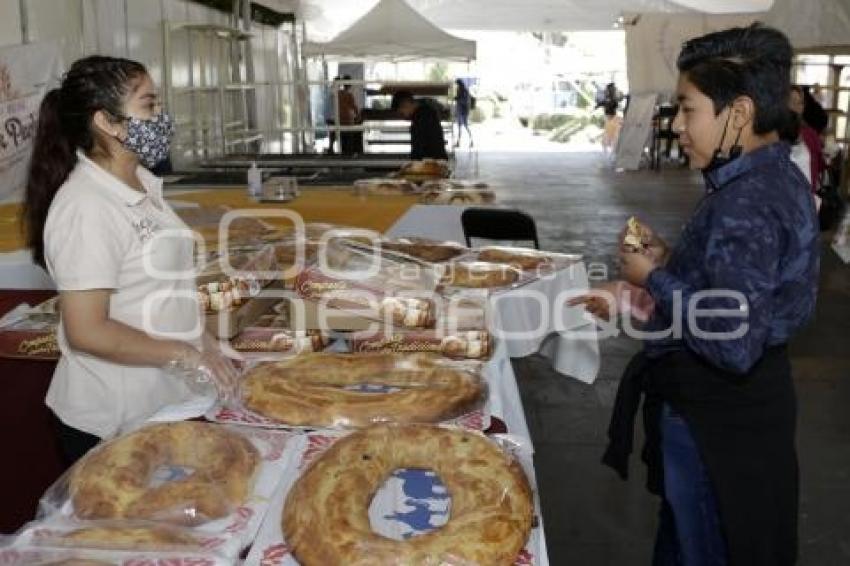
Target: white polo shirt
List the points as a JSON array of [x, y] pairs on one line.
[[102, 234]]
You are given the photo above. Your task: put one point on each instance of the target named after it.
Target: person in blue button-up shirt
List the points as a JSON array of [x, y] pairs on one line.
[[742, 279], [755, 233]]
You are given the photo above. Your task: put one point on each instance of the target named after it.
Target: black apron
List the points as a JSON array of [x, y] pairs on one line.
[[744, 428]]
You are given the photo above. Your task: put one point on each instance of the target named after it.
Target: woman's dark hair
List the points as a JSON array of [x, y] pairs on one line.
[[753, 61], [790, 131], [399, 98], [64, 125], [813, 113], [463, 96]]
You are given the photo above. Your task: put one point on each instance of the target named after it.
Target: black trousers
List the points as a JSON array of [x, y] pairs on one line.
[[351, 143], [73, 443]]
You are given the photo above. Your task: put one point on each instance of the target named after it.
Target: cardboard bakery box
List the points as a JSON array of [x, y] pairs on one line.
[[30, 332]]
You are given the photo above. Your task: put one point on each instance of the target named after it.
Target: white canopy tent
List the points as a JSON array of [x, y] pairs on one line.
[[393, 31], [653, 41]]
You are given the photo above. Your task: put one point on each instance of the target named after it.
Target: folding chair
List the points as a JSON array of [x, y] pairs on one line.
[[498, 224]]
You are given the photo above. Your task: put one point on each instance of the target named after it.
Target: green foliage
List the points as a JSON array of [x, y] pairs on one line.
[[439, 72], [550, 121]]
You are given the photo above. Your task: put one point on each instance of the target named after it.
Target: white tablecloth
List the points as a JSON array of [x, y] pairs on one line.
[[535, 318], [435, 221], [17, 271]]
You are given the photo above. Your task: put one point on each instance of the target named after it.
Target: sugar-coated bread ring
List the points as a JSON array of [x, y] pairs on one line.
[[480, 274], [135, 537], [113, 481], [525, 259], [326, 516], [309, 390]]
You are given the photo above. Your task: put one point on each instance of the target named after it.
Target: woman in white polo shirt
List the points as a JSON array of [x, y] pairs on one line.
[[97, 221]]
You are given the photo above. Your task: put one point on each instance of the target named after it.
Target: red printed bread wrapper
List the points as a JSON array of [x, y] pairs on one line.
[[29, 344], [256, 339], [372, 298]]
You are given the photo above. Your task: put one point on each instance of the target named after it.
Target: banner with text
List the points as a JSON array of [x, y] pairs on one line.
[[26, 73]]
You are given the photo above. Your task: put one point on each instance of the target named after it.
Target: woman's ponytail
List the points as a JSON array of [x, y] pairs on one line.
[[53, 158]]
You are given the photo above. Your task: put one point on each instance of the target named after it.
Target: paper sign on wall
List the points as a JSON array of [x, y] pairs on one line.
[[26, 72]]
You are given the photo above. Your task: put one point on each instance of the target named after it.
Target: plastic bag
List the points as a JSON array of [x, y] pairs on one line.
[[356, 390], [25, 555], [130, 535], [258, 340], [456, 192], [475, 484], [367, 283], [527, 259], [30, 332], [184, 473], [384, 187], [425, 169], [206, 221], [434, 251], [465, 345], [300, 249], [231, 279]]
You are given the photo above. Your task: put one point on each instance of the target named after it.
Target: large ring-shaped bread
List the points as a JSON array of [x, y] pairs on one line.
[[310, 389], [113, 481], [326, 515]]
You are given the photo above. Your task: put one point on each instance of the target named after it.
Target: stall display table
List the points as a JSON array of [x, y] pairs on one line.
[[535, 318], [433, 221], [31, 458], [337, 205], [332, 205]]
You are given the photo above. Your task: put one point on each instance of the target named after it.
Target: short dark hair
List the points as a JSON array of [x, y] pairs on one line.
[[400, 97], [753, 61]]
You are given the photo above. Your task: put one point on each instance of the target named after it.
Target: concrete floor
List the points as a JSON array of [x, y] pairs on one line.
[[591, 516]]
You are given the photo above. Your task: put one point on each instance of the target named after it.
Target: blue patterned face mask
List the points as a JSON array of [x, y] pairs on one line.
[[150, 139]]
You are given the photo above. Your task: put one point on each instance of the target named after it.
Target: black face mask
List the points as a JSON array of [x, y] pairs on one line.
[[718, 159]]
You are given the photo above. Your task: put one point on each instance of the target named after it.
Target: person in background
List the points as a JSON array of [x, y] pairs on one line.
[[813, 113], [463, 105], [808, 155], [426, 130], [121, 259], [719, 406], [820, 95], [351, 143], [610, 103], [330, 114]]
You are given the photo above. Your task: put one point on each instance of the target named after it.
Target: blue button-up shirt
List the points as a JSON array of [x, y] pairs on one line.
[[754, 238]]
